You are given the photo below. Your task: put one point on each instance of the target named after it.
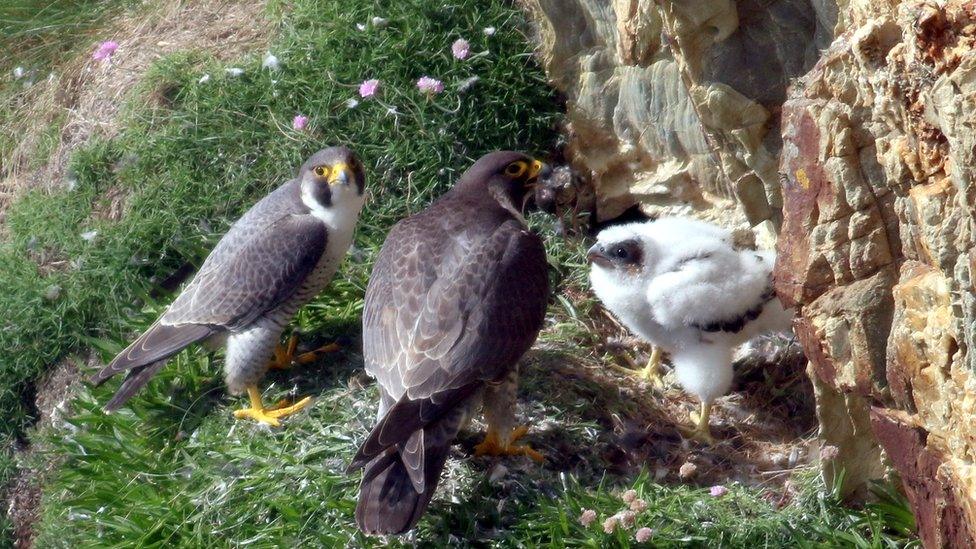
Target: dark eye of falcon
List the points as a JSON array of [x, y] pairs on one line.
[[321, 171], [516, 169], [625, 253]]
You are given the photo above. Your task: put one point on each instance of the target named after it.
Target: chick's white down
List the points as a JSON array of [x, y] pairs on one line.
[[689, 278]]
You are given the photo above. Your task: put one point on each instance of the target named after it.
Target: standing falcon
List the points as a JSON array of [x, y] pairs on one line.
[[457, 295], [274, 259], [681, 284]]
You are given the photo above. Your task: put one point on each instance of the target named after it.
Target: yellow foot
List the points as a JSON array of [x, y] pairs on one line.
[[269, 416], [700, 431], [492, 445], [650, 373], [284, 355]]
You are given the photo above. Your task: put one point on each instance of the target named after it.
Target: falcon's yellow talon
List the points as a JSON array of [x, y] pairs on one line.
[[284, 409], [284, 355], [257, 415], [519, 432], [270, 416], [492, 446], [310, 356]]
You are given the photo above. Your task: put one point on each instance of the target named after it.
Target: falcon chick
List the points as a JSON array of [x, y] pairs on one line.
[[681, 285], [273, 260], [457, 295]]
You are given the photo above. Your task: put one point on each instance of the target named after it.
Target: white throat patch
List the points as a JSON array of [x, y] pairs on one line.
[[342, 215]]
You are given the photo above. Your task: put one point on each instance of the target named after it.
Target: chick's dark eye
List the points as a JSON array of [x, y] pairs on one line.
[[621, 253]]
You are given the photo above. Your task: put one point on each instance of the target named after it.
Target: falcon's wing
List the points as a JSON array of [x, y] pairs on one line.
[[445, 313], [252, 270]]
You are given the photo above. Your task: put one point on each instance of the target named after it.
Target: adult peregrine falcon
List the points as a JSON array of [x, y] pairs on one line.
[[457, 295], [273, 260], [681, 284]]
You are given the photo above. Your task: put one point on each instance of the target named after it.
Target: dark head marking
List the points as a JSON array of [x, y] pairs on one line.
[[626, 254], [332, 166], [512, 173]]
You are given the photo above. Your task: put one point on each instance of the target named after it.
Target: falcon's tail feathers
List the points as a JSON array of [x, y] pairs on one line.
[[389, 502], [134, 380], [146, 355], [406, 417]]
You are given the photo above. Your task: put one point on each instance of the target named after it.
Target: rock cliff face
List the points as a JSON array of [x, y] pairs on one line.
[[847, 126], [877, 247]]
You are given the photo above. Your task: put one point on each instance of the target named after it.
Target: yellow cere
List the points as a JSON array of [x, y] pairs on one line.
[[337, 170], [536, 168]]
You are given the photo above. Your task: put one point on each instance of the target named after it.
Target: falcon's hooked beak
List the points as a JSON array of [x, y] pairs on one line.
[[597, 254], [340, 173], [537, 170]]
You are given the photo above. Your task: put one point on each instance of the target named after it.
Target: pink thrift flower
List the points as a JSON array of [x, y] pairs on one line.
[[643, 535], [829, 452], [299, 122], [628, 518], [587, 517], [461, 49], [105, 50], [369, 88], [430, 85], [610, 525], [629, 496], [638, 506], [718, 491]]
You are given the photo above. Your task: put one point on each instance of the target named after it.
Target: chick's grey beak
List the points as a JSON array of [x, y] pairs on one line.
[[598, 255]]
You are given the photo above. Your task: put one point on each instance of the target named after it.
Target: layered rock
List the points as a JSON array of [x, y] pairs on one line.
[[869, 165], [679, 103], [877, 248]]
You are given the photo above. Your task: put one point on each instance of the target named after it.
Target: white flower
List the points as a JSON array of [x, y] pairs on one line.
[[204, 79], [234, 71], [270, 62], [489, 31], [88, 236], [19, 73], [379, 22], [360, 27], [352, 103]]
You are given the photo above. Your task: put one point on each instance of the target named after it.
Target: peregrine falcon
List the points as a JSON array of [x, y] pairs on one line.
[[273, 260], [457, 295], [680, 284]]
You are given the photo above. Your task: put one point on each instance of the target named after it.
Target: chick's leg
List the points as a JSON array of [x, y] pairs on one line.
[[650, 373], [701, 431]]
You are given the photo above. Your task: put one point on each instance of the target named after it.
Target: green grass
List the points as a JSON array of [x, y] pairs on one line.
[[173, 468], [37, 36]]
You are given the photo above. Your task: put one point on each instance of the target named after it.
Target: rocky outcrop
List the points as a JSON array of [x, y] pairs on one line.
[[846, 126], [877, 246], [678, 103]]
